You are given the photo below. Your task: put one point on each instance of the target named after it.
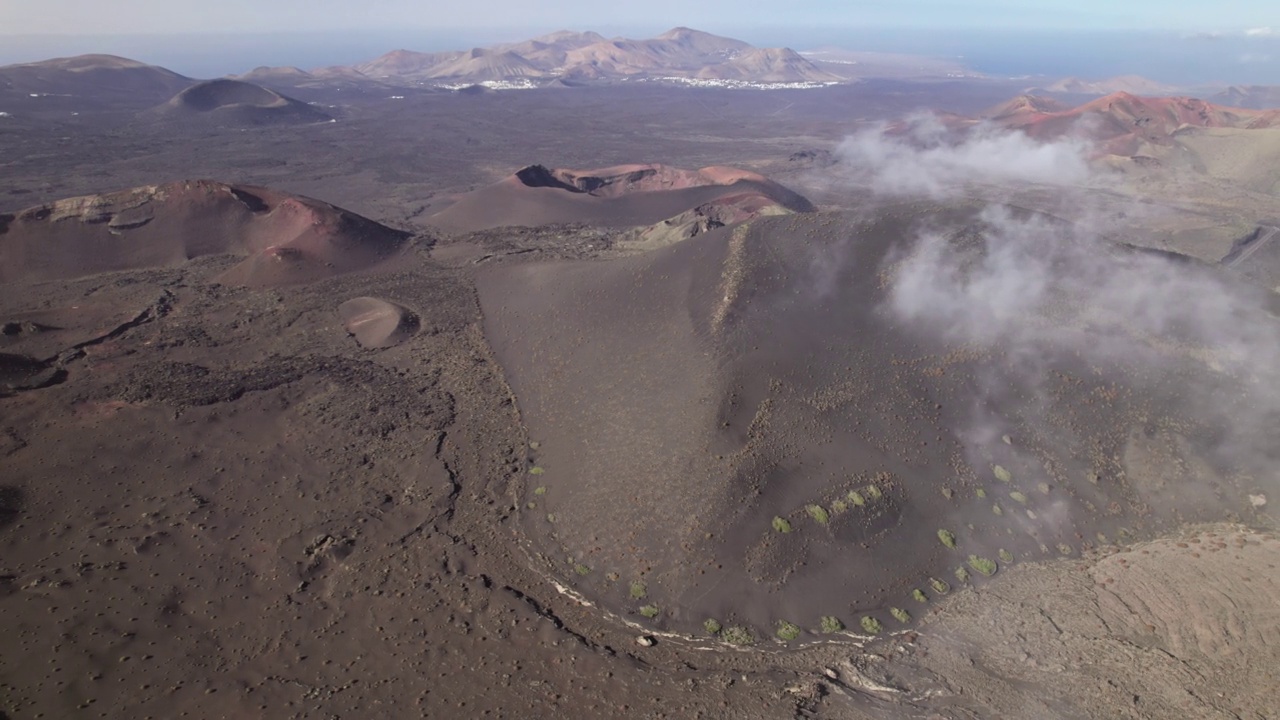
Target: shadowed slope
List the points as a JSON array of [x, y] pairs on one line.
[[758, 425], [286, 239]]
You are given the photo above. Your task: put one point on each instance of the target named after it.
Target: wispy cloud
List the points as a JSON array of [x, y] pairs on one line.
[[926, 158]]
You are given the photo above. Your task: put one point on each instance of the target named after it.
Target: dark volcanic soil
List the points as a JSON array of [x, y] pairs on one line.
[[223, 501], [229, 509]]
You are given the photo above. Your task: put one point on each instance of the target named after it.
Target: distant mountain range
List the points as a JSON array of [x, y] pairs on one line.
[[1132, 84], [680, 53], [63, 86]]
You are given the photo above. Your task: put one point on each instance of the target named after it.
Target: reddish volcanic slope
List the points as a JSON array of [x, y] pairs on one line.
[[285, 239], [620, 196], [1123, 122]]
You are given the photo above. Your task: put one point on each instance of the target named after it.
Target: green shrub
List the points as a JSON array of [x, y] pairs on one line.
[[787, 631], [781, 525], [1005, 556], [1019, 497], [738, 635], [831, 624], [919, 595], [535, 470], [541, 490], [900, 615], [712, 626], [1001, 474], [981, 493], [874, 492], [939, 586], [948, 538], [871, 625], [818, 513], [856, 498], [639, 590], [582, 569], [982, 565], [962, 575], [649, 611]]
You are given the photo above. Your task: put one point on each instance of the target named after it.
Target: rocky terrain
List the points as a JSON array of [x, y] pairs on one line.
[[773, 438]]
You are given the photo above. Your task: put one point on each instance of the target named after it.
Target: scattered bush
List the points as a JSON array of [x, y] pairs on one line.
[[919, 595], [712, 626], [939, 586], [787, 631], [874, 492], [856, 498], [872, 625], [738, 635], [831, 624], [582, 569], [639, 590], [818, 513], [781, 525], [982, 565], [900, 615], [948, 538], [649, 611], [1005, 556], [962, 575], [838, 507]]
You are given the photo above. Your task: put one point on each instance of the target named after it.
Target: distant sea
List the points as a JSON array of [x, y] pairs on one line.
[[1180, 59], [1172, 58]]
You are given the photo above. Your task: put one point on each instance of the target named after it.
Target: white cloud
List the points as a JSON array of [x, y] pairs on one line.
[[928, 159], [1261, 32]]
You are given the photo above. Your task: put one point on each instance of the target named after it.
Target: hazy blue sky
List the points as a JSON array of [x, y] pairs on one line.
[[182, 16]]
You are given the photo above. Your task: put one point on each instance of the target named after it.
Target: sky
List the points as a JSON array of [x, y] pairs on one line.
[[96, 17]]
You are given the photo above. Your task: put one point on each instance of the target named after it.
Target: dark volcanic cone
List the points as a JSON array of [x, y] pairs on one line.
[[621, 196], [234, 102]]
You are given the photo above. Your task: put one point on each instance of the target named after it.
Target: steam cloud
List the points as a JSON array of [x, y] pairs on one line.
[[925, 159], [1042, 290]]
